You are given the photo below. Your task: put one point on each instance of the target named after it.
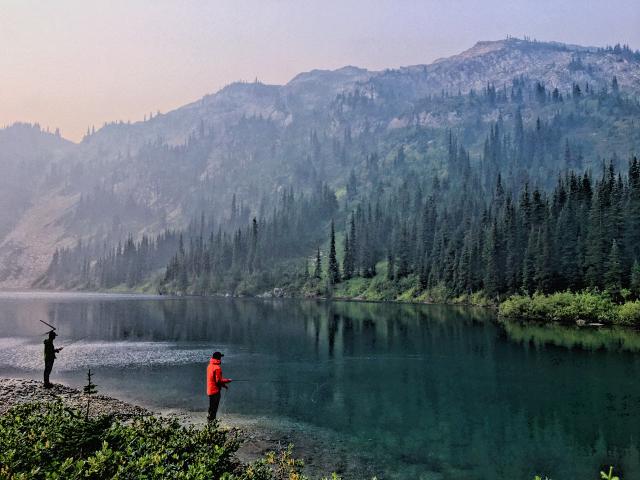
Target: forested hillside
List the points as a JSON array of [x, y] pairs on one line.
[[538, 199], [112, 209]]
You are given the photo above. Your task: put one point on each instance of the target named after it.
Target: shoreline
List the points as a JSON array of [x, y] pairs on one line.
[[492, 307], [227, 296], [259, 436]]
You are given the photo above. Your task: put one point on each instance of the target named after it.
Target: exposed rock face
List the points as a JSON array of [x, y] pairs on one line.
[[248, 139]]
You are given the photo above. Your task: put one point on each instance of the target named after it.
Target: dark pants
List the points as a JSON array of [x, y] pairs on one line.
[[214, 401], [48, 366]]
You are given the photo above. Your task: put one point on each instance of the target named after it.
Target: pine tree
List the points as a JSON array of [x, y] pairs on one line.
[[463, 269], [494, 270], [352, 186], [317, 273], [305, 270], [528, 265], [632, 217], [613, 276], [89, 389], [390, 266], [543, 264], [333, 269], [614, 85], [253, 262], [402, 250], [635, 279], [347, 262], [423, 278], [183, 279]]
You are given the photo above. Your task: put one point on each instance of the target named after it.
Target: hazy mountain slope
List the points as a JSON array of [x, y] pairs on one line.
[[252, 140], [26, 154]]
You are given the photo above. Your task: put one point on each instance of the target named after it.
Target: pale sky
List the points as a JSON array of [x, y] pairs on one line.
[[75, 63]]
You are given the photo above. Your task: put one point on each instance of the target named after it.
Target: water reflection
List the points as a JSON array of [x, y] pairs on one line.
[[612, 339], [418, 391]]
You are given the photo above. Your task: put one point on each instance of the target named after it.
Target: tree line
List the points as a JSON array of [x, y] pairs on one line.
[[584, 233]]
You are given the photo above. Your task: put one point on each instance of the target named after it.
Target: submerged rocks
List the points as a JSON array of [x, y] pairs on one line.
[[20, 390]]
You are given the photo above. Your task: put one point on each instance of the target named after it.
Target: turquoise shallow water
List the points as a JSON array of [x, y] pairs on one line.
[[428, 392]]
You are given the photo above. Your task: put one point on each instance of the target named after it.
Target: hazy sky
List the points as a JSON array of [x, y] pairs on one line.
[[74, 63]]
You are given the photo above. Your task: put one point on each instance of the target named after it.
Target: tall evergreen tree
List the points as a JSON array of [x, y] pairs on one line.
[[333, 269], [317, 272], [613, 277]]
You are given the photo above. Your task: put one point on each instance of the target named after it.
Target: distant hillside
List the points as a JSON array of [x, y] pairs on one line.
[[251, 141]]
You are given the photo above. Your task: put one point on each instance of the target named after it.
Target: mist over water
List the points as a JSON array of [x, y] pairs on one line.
[[411, 391]]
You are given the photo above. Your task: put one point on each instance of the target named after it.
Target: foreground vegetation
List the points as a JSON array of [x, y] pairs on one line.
[[568, 307], [49, 440]]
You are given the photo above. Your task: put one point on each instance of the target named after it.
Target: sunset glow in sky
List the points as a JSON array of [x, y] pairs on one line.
[[75, 63]]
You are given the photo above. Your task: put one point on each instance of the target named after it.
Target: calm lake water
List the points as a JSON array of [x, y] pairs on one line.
[[416, 392]]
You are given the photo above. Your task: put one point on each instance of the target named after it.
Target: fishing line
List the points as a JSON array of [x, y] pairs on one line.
[[224, 399], [314, 394], [73, 341], [274, 381]]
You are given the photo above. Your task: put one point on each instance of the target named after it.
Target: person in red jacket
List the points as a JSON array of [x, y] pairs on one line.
[[215, 381]]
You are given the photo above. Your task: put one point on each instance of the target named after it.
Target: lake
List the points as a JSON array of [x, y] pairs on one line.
[[410, 391]]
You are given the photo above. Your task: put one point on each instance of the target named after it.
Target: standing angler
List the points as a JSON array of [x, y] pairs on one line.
[[215, 381], [49, 357]]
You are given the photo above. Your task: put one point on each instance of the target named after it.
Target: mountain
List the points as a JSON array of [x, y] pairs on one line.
[[499, 62], [248, 142]]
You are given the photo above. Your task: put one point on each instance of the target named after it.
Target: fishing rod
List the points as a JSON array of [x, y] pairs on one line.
[[319, 386], [273, 381], [53, 329], [48, 324]]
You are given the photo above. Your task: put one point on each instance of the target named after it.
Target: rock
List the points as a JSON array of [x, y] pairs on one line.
[[16, 390]]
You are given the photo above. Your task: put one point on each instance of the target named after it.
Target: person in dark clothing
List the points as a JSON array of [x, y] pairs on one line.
[[49, 357], [215, 381]]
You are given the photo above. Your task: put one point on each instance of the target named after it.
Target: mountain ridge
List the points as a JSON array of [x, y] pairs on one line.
[[437, 76], [253, 139]]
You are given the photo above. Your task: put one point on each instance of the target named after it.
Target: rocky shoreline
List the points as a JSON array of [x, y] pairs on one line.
[[18, 390], [257, 438]]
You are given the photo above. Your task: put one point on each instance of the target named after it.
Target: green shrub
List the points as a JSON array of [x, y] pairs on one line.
[[39, 441], [568, 307], [516, 306], [629, 314], [564, 307]]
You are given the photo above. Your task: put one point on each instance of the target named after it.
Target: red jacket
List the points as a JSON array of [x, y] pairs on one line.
[[215, 380]]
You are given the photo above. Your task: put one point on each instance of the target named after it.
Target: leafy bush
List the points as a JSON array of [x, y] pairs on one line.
[[563, 307], [629, 313], [39, 441]]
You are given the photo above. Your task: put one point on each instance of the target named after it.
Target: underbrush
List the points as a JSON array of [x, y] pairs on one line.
[[569, 307], [51, 441]]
